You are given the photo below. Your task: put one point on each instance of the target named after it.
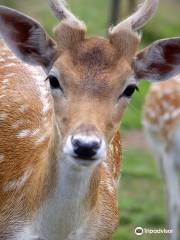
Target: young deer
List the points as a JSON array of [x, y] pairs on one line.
[[60, 148], [162, 125]]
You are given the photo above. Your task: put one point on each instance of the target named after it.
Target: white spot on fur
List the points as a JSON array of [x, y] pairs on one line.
[[5, 81], [171, 115], [10, 65], [167, 106], [18, 123], [42, 88], [23, 108], [150, 127], [4, 85], [41, 139], [46, 125], [151, 113], [18, 183], [35, 132], [12, 57], [167, 92], [110, 185], [176, 113], [3, 116], [43, 92], [116, 149], [3, 95], [108, 181], [166, 117], [23, 133], [1, 158], [10, 75]]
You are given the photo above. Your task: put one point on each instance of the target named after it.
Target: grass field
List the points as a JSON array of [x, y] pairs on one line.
[[141, 194]]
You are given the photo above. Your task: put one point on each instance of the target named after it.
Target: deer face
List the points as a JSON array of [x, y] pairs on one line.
[[91, 84], [91, 79]]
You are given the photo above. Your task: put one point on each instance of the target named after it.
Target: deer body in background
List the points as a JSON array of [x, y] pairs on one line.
[[60, 149], [162, 125]]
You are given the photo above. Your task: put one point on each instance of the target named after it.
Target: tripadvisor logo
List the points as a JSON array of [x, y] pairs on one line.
[[139, 231]]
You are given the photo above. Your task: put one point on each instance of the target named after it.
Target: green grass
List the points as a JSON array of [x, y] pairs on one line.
[[165, 24], [96, 16], [141, 196]]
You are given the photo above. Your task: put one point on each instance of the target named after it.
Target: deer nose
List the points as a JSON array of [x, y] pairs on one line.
[[86, 147]]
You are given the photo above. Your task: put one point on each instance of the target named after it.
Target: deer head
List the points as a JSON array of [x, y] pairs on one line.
[[91, 79]]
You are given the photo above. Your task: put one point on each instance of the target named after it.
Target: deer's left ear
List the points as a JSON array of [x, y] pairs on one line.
[[26, 38], [159, 61]]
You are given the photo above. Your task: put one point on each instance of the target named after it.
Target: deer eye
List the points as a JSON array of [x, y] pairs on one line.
[[54, 83], [129, 91]]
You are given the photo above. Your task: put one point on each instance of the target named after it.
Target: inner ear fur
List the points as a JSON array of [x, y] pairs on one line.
[[126, 42], [26, 38], [67, 36], [159, 61]]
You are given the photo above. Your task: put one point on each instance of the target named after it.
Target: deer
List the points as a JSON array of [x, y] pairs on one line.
[[61, 100], [162, 127]]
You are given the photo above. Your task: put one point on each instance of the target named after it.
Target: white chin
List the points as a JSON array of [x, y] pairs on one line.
[[78, 162], [85, 162]]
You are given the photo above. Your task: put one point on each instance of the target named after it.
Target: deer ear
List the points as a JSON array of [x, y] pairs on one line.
[[26, 38], [159, 61]]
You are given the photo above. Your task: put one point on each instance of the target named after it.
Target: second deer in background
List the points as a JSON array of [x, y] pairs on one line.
[[162, 125]]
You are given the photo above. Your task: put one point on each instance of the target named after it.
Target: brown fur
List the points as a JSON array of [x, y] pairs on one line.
[[66, 36], [20, 154], [19, 205], [126, 41]]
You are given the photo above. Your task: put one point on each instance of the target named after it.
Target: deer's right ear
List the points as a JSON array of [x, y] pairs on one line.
[[159, 61], [26, 38]]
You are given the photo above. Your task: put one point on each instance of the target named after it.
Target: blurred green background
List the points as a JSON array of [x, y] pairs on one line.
[[141, 191]]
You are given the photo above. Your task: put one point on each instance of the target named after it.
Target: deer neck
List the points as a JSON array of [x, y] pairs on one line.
[[72, 195]]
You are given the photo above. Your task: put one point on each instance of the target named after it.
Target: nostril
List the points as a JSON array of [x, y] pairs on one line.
[[96, 144], [86, 147], [76, 142]]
